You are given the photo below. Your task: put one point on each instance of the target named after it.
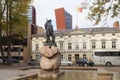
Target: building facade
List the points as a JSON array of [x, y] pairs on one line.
[[21, 49], [76, 43], [63, 19]]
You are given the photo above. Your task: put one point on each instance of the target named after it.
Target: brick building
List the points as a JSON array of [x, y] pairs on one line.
[[63, 19]]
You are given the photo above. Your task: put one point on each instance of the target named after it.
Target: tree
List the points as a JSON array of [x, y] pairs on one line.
[[13, 20], [3, 4], [102, 9]]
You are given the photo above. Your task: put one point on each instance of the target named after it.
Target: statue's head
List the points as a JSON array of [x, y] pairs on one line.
[[49, 21]]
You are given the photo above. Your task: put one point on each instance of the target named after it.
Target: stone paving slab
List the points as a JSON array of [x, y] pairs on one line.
[[6, 74]]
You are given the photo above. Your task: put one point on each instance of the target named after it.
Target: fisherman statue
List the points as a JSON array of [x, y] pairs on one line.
[[50, 33]]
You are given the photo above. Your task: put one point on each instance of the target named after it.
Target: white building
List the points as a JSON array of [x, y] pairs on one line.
[[76, 43]]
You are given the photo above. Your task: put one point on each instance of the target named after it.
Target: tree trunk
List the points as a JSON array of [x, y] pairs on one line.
[[8, 35], [1, 41]]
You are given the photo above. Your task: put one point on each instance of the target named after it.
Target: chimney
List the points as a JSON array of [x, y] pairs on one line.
[[116, 24]]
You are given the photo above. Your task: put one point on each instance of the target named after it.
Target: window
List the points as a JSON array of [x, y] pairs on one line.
[[76, 56], [37, 47], [37, 57], [77, 46], [61, 57], [93, 45], [61, 36], [69, 36], [103, 34], [61, 46], [69, 46], [84, 45], [84, 35], [107, 53], [93, 34], [103, 44], [113, 44], [69, 57], [84, 55]]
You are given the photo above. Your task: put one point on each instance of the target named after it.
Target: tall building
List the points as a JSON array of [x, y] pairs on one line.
[[63, 19], [32, 29], [32, 19], [32, 15]]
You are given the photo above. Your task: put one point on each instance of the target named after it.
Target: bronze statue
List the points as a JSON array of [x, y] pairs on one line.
[[50, 33]]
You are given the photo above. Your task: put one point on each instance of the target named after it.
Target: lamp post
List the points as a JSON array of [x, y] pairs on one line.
[[19, 54], [19, 50], [90, 44]]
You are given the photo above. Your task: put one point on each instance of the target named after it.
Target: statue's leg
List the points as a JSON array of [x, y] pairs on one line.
[[48, 39], [53, 39]]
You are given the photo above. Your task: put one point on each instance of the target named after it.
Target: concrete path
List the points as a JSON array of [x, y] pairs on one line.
[[7, 74]]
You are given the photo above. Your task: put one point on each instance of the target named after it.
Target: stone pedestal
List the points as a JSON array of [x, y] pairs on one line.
[[50, 73], [50, 62]]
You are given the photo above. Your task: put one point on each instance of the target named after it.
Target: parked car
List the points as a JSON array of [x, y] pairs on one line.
[[33, 63], [83, 62], [1, 60], [66, 63], [12, 60]]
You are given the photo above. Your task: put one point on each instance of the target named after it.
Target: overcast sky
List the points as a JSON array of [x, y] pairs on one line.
[[46, 9]]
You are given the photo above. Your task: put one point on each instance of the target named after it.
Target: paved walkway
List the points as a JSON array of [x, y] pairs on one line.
[[7, 72]]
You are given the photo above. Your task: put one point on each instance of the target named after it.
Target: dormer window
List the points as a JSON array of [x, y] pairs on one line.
[[113, 34], [61, 36], [84, 35], [93, 34], [103, 34]]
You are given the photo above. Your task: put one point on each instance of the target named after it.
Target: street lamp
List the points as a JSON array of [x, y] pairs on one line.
[[19, 54], [19, 50], [90, 43]]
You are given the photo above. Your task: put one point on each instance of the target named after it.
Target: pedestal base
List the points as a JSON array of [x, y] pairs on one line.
[[49, 71], [49, 74]]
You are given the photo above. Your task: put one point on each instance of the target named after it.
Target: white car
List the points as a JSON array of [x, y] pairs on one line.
[[66, 63]]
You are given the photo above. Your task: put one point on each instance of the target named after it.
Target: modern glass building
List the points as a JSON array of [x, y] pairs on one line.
[[31, 15]]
